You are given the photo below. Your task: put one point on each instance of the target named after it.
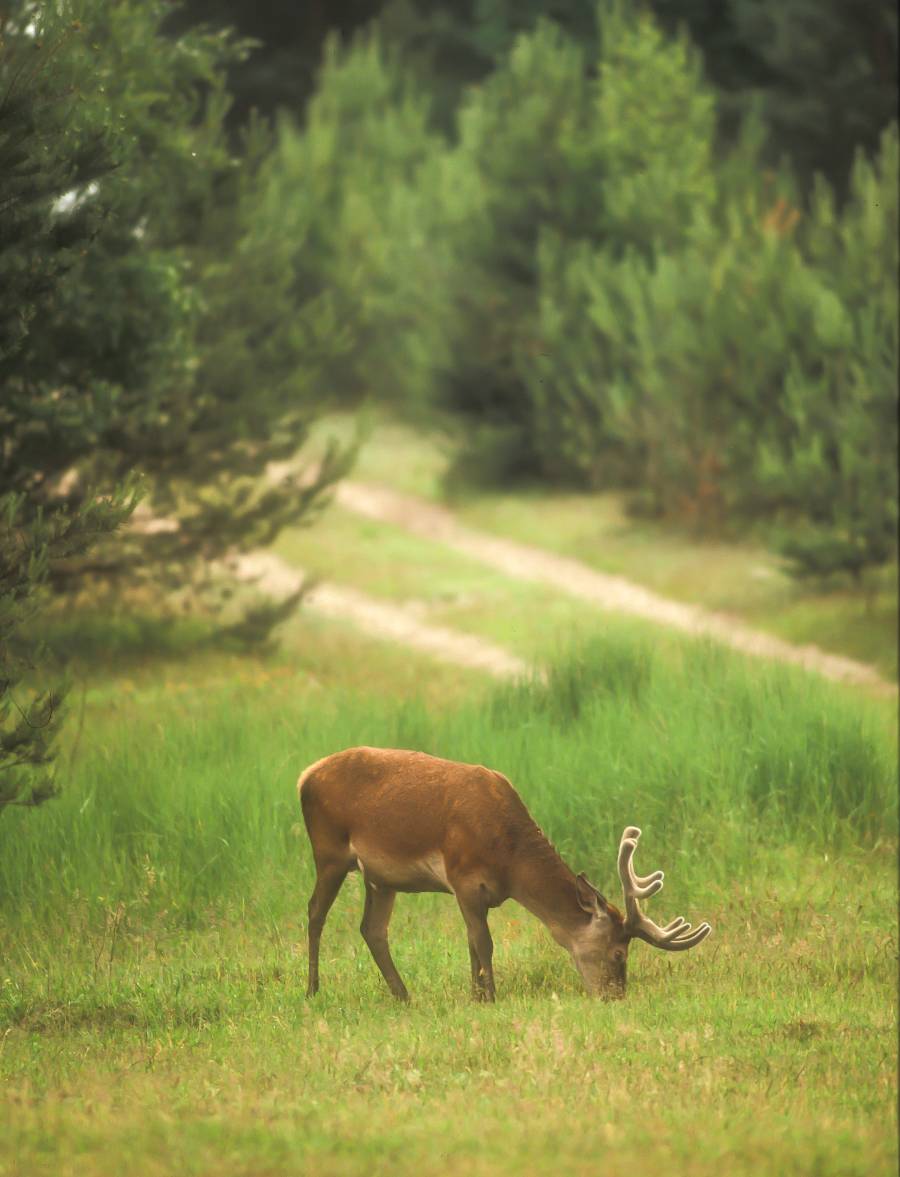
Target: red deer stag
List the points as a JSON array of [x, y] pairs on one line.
[[413, 822]]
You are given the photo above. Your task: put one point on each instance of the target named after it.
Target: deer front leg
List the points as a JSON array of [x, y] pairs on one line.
[[374, 926], [481, 947]]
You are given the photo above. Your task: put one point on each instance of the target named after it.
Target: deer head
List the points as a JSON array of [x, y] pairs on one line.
[[600, 950]]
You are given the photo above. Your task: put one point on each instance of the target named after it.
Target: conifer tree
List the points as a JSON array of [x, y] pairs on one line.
[[152, 328], [182, 346], [44, 159]]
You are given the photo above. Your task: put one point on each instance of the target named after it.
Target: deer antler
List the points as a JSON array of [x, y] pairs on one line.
[[675, 936]]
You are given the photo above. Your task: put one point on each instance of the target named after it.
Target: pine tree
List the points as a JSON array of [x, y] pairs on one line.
[[151, 326], [44, 159], [831, 470], [181, 346]]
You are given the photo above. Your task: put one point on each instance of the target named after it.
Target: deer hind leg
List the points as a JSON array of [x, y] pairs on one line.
[[328, 882], [474, 907], [476, 972], [374, 928]]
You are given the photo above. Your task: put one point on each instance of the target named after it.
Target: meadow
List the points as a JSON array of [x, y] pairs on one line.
[[734, 574], [152, 1007], [623, 296]]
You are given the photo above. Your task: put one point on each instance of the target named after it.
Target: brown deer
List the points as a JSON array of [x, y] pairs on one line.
[[413, 822]]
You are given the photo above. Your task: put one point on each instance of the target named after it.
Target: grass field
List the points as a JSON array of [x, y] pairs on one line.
[[152, 1009], [444, 587], [741, 578]]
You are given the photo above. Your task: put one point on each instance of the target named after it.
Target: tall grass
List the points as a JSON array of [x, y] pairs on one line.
[[179, 806]]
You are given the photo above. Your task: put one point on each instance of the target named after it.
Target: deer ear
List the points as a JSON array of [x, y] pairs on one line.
[[589, 898]]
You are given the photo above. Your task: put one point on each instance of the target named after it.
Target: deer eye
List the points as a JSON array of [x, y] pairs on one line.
[[619, 954]]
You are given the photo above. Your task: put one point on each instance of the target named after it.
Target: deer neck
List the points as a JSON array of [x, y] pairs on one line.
[[545, 886]]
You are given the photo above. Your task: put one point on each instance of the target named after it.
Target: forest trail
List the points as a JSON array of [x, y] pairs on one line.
[[603, 591], [273, 575]]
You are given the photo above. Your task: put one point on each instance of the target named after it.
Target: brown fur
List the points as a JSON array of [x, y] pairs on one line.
[[415, 822]]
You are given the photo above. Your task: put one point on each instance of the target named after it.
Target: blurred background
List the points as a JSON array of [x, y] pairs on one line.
[[616, 280]]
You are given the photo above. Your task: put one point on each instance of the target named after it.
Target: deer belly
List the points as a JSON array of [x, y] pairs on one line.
[[427, 873]]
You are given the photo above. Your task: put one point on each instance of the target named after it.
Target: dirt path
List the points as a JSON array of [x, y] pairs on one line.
[[524, 562], [276, 577]]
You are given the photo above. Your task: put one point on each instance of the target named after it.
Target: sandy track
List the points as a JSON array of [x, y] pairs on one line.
[[523, 562], [277, 578]]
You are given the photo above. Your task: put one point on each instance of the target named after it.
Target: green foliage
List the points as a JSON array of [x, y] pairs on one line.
[[44, 154], [335, 191], [518, 147], [603, 291], [47, 152], [149, 323], [654, 122], [179, 345], [603, 295], [832, 469], [31, 711], [622, 161], [286, 43], [751, 373], [822, 75], [658, 372], [733, 360], [532, 160], [712, 749], [641, 162]]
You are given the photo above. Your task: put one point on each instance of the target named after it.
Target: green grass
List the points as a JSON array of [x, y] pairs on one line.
[[442, 586], [695, 744], [448, 588], [743, 579], [769, 1050], [136, 657], [152, 938]]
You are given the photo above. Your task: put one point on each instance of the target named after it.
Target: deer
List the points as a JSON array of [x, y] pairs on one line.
[[412, 822]]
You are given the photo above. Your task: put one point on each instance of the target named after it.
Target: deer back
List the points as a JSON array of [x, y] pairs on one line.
[[394, 810]]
